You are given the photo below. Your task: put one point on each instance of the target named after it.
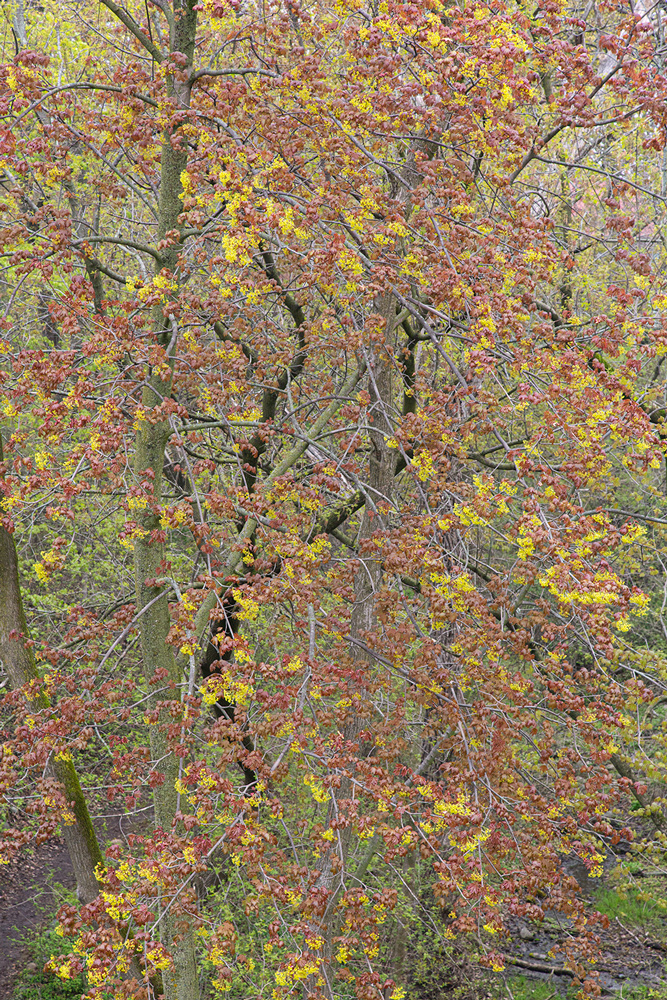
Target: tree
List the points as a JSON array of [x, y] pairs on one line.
[[295, 298]]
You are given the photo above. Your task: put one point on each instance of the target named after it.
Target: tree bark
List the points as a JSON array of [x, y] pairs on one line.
[[367, 584], [181, 982], [19, 662]]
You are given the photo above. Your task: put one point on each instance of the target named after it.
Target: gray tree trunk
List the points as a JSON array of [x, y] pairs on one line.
[[19, 662], [181, 983], [367, 584]]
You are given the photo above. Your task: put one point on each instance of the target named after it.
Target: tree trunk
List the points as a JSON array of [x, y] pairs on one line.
[[19, 662], [367, 583], [180, 983]]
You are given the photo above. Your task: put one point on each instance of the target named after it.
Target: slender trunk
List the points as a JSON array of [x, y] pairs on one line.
[[19, 662], [181, 982], [159, 660], [367, 584]]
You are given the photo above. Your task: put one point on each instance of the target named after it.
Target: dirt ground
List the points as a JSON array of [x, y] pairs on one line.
[[628, 958], [28, 898], [30, 892]]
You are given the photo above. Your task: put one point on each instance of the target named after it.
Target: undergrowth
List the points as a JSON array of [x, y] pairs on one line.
[[36, 984]]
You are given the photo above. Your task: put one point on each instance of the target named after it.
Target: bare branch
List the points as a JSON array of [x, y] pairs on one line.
[[117, 241], [231, 72], [132, 26]]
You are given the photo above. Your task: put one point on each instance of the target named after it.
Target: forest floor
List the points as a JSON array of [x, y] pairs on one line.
[[633, 949], [633, 944], [632, 959], [31, 889]]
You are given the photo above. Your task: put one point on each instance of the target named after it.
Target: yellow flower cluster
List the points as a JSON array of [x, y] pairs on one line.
[[317, 789], [295, 973], [172, 518], [249, 609], [423, 463], [224, 686]]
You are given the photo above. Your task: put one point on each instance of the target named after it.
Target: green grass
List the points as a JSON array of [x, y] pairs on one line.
[[520, 988], [634, 907], [36, 984]]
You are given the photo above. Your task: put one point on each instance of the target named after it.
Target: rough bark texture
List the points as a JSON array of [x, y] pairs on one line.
[[180, 983], [19, 662], [367, 584], [157, 655]]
